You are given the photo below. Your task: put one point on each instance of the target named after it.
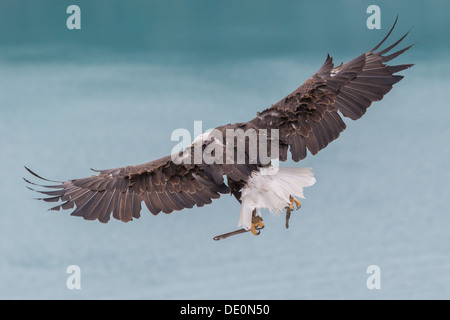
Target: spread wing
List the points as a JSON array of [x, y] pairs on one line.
[[308, 118], [160, 184]]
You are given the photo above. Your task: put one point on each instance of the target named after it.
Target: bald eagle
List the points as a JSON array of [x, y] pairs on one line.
[[307, 119]]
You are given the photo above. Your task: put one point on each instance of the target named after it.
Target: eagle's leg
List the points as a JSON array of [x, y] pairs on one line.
[[290, 208], [257, 223], [293, 200]]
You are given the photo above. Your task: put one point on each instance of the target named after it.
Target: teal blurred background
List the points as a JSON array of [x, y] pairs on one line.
[[215, 31], [111, 94]]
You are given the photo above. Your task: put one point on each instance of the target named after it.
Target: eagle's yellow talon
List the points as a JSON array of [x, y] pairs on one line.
[[293, 200], [257, 225]]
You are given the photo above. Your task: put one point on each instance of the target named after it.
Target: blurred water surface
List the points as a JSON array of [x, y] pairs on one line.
[[111, 96]]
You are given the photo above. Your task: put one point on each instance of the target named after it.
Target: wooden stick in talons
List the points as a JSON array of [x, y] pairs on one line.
[[229, 234], [288, 215]]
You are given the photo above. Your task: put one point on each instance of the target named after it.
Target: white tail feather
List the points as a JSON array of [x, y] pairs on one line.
[[272, 191]]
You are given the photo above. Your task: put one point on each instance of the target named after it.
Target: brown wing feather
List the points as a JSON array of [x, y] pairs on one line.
[[308, 117], [161, 184]]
